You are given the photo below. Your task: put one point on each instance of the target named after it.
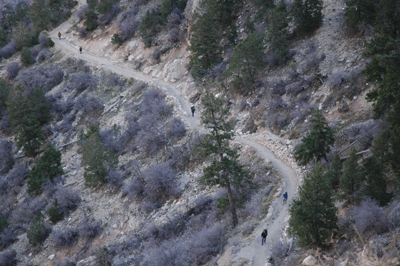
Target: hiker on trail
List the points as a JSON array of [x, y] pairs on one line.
[[192, 109], [285, 197], [59, 35], [80, 50], [264, 236]]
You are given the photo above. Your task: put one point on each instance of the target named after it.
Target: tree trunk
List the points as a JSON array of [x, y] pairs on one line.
[[231, 202]]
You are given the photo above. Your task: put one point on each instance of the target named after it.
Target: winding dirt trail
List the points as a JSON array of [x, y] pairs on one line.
[[277, 217]]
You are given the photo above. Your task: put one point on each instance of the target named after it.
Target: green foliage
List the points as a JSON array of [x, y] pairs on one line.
[[47, 166], [96, 158], [104, 6], [277, 31], [116, 39], [53, 212], [316, 144], [3, 223], [307, 15], [359, 12], [26, 56], [212, 18], [313, 215], [4, 91], [23, 36], [384, 65], [38, 232], [40, 15], [27, 114], [49, 42], [246, 62], [225, 170], [373, 171], [3, 38], [90, 20], [335, 171], [92, 4], [167, 6], [151, 24], [351, 179]]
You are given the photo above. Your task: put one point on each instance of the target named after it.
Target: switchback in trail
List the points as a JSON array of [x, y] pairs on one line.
[[276, 219]]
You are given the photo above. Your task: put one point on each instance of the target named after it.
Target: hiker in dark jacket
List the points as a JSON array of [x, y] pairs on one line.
[[59, 35], [264, 236], [192, 109], [285, 197], [80, 50]]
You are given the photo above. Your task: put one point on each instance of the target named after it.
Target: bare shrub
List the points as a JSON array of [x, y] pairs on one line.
[[128, 24], [65, 262], [153, 102], [134, 189], [115, 179], [278, 87], [337, 78], [43, 77], [369, 216], [8, 50], [68, 200], [58, 105], [89, 228], [88, 103], [81, 82], [110, 15], [82, 32], [17, 175], [112, 139], [179, 157], [12, 69], [133, 126], [81, 12], [27, 210], [175, 129], [312, 61], [160, 183], [65, 237], [205, 244], [280, 249], [113, 80], [43, 55], [174, 34], [42, 40], [6, 156], [151, 137], [7, 237], [8, 257]]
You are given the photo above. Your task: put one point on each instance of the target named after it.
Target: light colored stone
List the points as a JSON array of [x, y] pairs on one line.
[[51, 257], [115, 226], [310, 261], [226, 258]]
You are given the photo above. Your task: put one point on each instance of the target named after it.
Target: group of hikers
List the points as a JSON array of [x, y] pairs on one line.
[[264, 233], [59, 37]]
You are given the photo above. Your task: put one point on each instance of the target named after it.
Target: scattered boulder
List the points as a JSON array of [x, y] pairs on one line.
[[310, 261]]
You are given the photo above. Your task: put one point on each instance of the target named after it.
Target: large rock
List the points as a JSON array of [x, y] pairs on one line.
[[310, 261], [174, 70]]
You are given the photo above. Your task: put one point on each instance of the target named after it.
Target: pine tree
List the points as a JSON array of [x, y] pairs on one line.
[[335, 171], [277, 31], [91, 20], [38, 231], [316, 144], [373, 171], [351, 179], [358, 12], [247, 61], [40, 15], [225, 170], [47, 167], [97, 159], [313, 216], [28, 112], [307, 15]]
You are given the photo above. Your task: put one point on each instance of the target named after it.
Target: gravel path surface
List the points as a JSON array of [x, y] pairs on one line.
[[277, 217]]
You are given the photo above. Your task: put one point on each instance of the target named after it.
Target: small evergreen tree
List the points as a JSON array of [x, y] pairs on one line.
[[351, 179], [38, 231], [316, 144], [225, 170], [358, 12], [247, 60], [26, 56], [313, 216], [373, 171], [335, 171], [91, 20], [28, 112], [97, 159], [3, 223], [48, 166], [53, 212], [307, 15], [277, 31]]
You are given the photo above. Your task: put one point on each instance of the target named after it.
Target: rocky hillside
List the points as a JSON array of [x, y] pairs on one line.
[[102, 162]]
